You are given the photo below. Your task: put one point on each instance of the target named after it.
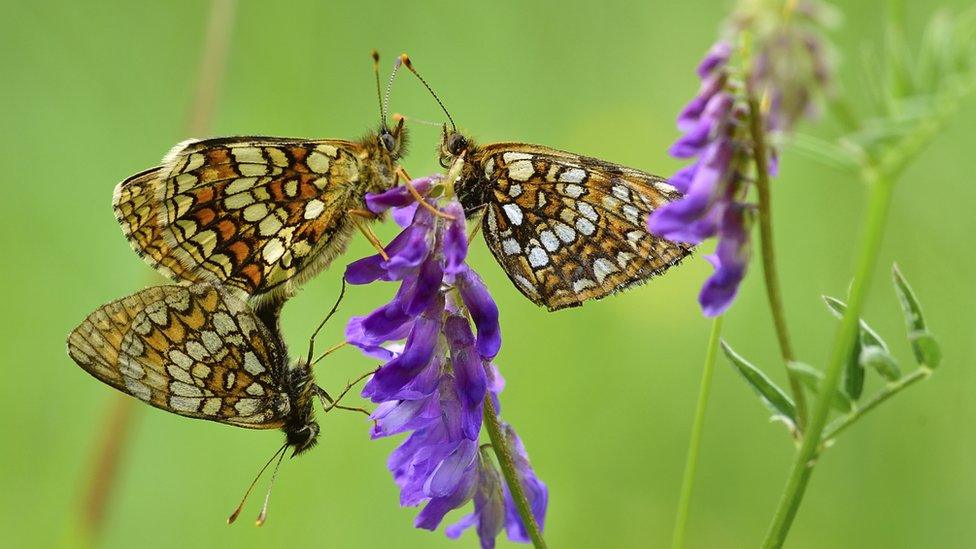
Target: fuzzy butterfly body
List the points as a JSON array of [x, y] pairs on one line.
[[566, 228], [199, 352], [257, 214]]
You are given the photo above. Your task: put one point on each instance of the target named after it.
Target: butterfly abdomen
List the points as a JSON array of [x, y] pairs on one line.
[[301, 429]]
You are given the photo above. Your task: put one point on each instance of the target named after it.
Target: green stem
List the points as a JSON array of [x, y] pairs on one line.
[[691, 462], [109, 457], [870, 245], [771, 275], [503, 451], [842, 423]]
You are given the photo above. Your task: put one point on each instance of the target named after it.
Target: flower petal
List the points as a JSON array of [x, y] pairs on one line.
[[455, 238], [417, 354], [731, 260], [716, 57], [483, 311], [469, 374], [535, 491], [398, 196]]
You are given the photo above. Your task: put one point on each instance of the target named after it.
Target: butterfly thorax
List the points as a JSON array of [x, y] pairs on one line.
[[300, 428], [472, 187]]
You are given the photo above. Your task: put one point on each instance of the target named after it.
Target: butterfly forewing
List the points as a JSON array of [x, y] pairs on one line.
[[192, 350], [567, 228], [249, 212]]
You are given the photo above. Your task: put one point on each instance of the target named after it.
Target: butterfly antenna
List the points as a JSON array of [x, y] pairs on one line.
[[263, 515], [379, 95], [311, 340], [405, 59], [389, 88], [397, 116], [237, 511]]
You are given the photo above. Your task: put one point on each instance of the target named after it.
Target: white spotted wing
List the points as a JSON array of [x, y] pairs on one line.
[[567, 228], [191, 350]]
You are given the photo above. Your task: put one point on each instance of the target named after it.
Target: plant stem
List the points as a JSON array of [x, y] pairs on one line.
[[105, 468], [842, 423], [770, 273], [880, 199], [691, 462], [503, 451], [118, 428]]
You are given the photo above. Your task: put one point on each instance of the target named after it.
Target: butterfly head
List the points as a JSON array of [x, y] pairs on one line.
[[453, 145], [303, 438], [392, 141]]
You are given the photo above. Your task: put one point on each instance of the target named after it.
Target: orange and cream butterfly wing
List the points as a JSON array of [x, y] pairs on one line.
[[191, 350], [248, 212], [567, 228]]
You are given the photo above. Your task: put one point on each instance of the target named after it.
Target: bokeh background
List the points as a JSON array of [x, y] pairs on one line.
[[602, 395]]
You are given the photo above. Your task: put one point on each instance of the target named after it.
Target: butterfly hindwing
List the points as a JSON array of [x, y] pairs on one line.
[[248, 212], [192, 350], [567, 228]]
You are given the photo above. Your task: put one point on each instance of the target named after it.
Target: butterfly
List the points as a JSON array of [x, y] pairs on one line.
[[259, 215], [201, 352], [565, 227]]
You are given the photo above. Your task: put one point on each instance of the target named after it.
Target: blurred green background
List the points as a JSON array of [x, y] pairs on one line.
[[602, 396]]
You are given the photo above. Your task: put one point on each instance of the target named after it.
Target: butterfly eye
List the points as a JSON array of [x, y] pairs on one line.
[[456, 144], [388, 141]]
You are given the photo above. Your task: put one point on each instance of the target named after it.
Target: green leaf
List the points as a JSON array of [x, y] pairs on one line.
[[826, 152], [870, 350], [898, 57], [812, 379], [772, 396], [881, 361], [924, 345], [853, 380]]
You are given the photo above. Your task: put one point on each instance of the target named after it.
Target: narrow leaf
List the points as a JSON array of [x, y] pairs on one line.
[[881, 361], [812, 379], [924, 345], [871, 350], [870, 337], [853, 380], [772, 396], [825, 152]]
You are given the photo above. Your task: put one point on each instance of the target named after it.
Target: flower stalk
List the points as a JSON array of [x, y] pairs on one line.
[[503, 451], [768, 252], [120, 423], [691, 462], [802, 468]]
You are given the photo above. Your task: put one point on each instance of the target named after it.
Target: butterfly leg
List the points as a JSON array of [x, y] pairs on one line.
[[311, 340], [357, 216], [402, 174], [335, 403]]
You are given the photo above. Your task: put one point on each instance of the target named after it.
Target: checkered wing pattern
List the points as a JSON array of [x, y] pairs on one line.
[[567, 228], [191, 350], [248, 212]]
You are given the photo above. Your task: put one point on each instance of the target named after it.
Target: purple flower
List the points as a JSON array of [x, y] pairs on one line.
[[398, 197], [494, 507], [716, 57], [788, 69], [489, 506], [536, 492], [712, 183], [434, 388], [790, 65]]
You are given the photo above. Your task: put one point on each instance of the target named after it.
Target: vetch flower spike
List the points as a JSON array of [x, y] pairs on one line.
[[435, 387]]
